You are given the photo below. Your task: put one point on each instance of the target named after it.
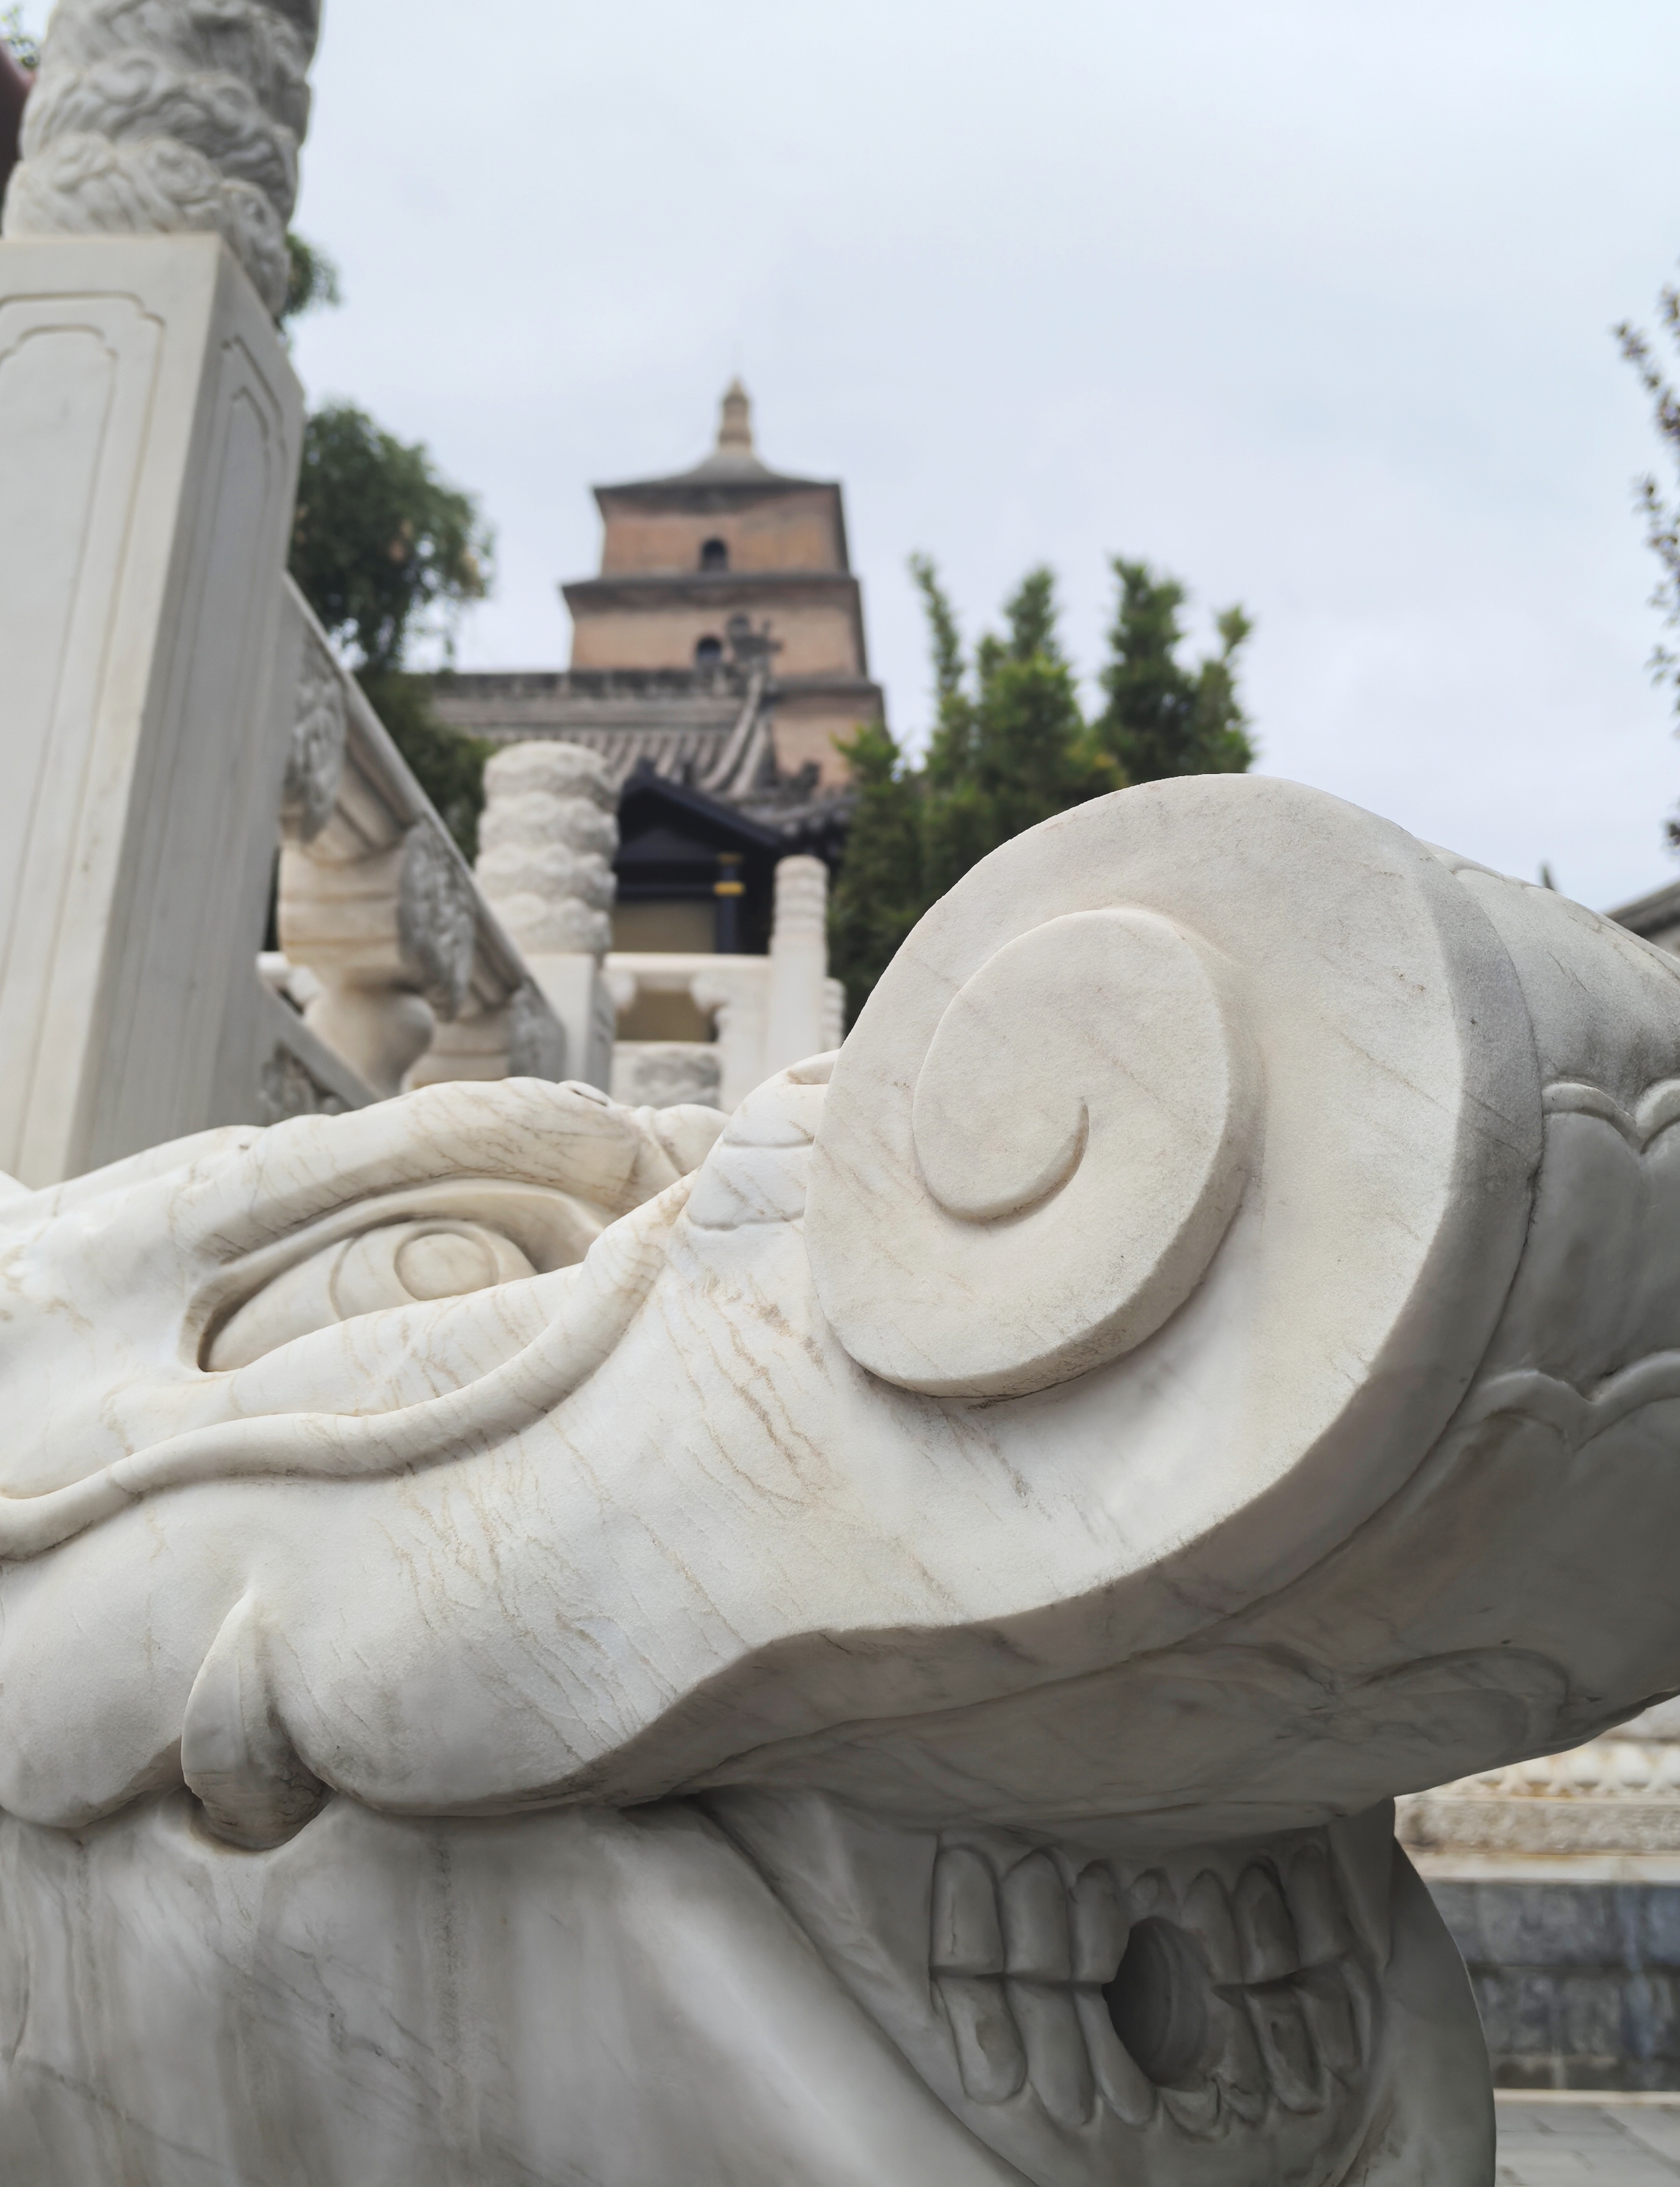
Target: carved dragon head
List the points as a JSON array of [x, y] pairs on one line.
[[1035, 1485]]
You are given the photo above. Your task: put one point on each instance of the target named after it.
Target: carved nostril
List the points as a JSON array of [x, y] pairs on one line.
[[1158, 2002]]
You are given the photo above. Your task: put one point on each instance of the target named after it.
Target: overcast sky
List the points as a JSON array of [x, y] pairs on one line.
[[1309, 300]]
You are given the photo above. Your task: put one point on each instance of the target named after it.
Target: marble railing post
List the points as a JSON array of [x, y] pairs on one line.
[[149, 433], [390, 935], [799, 1010], [799, 961], [169, 118], [546, 847]]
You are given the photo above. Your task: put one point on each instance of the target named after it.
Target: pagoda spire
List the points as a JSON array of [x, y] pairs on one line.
[[734, 426]]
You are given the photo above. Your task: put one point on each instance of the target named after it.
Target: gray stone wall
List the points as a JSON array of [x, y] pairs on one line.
[[1578, 1984]]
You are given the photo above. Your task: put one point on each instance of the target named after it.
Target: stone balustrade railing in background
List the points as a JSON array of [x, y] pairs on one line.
[[1616, 1797], [162, 677], [767, 1012], [150, 425], [376, 902], [1560, 1878]]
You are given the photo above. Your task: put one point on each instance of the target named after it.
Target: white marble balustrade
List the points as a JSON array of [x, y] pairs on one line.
[[767, 1012], [379, 904]]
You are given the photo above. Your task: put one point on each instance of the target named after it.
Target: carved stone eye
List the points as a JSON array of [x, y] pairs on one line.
[[395, 1265]]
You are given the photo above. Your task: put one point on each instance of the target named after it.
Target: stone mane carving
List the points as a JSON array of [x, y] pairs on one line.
[[884, 1629], [153, 116]]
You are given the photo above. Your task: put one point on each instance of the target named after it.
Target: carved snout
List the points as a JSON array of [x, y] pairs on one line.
[[1127, 1025]]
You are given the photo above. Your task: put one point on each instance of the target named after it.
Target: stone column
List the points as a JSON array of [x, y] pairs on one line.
[[800, 1019], [171, 118], [546, 848], [150, 428], [149, 434]]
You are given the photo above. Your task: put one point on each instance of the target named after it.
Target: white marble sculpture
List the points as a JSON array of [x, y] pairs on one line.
[[154, 117], [537, 1647]]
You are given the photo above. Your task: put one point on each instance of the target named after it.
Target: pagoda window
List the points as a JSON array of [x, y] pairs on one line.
[[708, 653], [715, 555]]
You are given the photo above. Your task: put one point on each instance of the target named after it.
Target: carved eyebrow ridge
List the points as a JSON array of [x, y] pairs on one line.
[[608, 1289]]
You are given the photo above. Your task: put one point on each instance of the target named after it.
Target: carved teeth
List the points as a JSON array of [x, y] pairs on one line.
[[1291, 2065], [1036, 1942], [1057, 2064], [967, 1939], [1152, 1894], [1264, 1930], [1100, 1927], [1126, 2089], [1207, 1917], [1236, 2064], [1037, 1974], [989, 2052], [1195, 2109], [1319, 1926], [1329, 2014]]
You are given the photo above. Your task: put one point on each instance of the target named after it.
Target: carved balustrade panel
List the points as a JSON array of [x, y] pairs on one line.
[[379, 904]]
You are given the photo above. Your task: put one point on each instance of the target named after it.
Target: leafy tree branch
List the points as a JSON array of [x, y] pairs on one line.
[[1010, 746]]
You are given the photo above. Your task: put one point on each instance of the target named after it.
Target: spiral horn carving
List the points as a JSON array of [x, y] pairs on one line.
[[1122, 1028], [1089, 1098]]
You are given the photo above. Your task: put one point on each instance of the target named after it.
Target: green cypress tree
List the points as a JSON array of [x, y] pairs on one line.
[[1016, 750], [1010, 747], [878, 895], [954, 821], [1033, 755], [1162, 718]]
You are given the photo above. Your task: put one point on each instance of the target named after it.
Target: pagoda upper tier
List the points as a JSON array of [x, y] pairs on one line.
[[733, 563]]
